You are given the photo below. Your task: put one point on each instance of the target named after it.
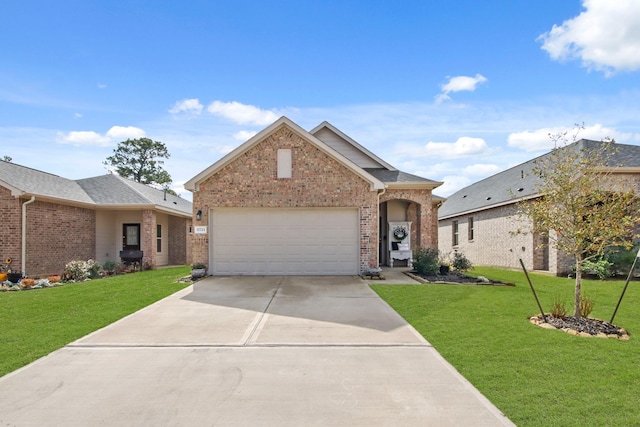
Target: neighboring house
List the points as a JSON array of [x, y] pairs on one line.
[[479, 221], [48, 221], [290, 201]]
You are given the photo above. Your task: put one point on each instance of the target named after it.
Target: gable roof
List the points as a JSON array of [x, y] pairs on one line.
[[110, 191], [336, 144], [519, 182], [349, 148], [193, 183]]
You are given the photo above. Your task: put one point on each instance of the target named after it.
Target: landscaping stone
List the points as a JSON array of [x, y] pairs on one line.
[[582, 327]]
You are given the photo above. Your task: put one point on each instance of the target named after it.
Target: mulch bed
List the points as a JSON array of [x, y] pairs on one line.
[[453, 278], [581, 326]]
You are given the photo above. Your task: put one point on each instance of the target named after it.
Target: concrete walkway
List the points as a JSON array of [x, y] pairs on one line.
[[250, 351]]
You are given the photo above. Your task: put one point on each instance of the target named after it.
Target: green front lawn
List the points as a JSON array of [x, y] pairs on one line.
[[35, 323], [535, 376]]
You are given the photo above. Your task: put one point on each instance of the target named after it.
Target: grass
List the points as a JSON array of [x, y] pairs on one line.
[[535, 376], [35, 323]]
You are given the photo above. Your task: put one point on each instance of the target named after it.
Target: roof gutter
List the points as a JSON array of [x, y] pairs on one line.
[[23, 258]]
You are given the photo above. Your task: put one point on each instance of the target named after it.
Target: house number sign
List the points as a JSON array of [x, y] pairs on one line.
[[200, 229]]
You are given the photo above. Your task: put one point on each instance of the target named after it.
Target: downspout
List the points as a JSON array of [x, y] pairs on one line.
[[24, 233], [380, 193]]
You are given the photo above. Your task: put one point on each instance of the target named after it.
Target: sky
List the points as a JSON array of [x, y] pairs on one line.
[[453, 91]]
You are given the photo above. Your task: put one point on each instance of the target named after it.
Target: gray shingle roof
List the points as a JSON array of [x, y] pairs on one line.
[[518, 181], [36, 182], [389, 176], [99, 191]]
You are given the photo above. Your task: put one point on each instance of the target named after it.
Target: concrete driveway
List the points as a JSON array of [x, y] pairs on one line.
[[250, 351]]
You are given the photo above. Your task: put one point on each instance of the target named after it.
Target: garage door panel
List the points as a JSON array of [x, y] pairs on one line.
[[285, 241]]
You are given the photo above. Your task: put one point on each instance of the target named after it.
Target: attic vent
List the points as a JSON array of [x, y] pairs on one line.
[[520, 189], [489, 198]]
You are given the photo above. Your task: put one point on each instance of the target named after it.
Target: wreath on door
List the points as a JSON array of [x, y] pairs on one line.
[[400, 232]]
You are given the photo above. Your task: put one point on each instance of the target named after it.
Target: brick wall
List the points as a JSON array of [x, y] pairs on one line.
[[148, 236], [10, 229], [421, 212], [493, 244], [57, 234], [317, 180], [178, 240]]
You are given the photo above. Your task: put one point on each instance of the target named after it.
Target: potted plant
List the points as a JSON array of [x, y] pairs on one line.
[[445, 265], [198, 271], [14, 276]]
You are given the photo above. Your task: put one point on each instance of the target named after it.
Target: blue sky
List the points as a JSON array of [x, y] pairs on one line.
[[452, 91]]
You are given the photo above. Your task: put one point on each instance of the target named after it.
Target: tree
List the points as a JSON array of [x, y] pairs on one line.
[[582, 209], [7, 159], [138, 159]]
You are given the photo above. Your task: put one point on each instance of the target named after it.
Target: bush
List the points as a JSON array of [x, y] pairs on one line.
[[110, 267], [601, 268], [461, 263], [426, 261], [79, 271], [586, 305], [558, 309], [621, 259]]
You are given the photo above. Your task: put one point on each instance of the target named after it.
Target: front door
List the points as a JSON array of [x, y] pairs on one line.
[[131, 237]]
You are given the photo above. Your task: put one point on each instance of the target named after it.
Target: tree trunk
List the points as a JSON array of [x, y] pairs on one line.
[[578, 286]]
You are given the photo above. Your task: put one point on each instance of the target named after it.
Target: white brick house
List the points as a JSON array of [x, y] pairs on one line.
[[480, 220]]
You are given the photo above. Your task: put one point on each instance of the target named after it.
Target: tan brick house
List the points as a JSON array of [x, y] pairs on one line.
[[290, 201], [48, 220], [480, 220]]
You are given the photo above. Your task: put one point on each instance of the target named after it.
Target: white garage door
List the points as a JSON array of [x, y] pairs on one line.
[[284, 241]]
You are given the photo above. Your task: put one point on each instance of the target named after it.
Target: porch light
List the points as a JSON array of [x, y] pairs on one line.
[[199, 215]]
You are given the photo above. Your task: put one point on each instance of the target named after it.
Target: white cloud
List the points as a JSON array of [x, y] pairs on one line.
[[452, 183], [77, 115], [242, 113], [84, 138], [244, 135], [458, 84], [540, 139], [91, 138], [605, 36], [101, 85], [125, 132], [189, 106], [463, 147]]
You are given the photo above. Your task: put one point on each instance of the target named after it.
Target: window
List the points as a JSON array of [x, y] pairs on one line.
[[284, 163], [470, 228], [454, 227], [158, 238]]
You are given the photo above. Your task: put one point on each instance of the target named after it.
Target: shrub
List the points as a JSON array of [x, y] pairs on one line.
[[79, 271], [621, 259], [601, 268], [110, 267], [586, 305], [426, 261], [461, 263], [558, 309]]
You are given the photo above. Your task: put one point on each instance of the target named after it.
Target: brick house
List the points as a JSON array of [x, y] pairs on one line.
[[479, 220], [290, 201], [48, 221]]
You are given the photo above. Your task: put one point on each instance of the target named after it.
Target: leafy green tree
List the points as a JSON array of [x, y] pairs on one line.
[[582, 208], [138, 159], [7, 158]]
